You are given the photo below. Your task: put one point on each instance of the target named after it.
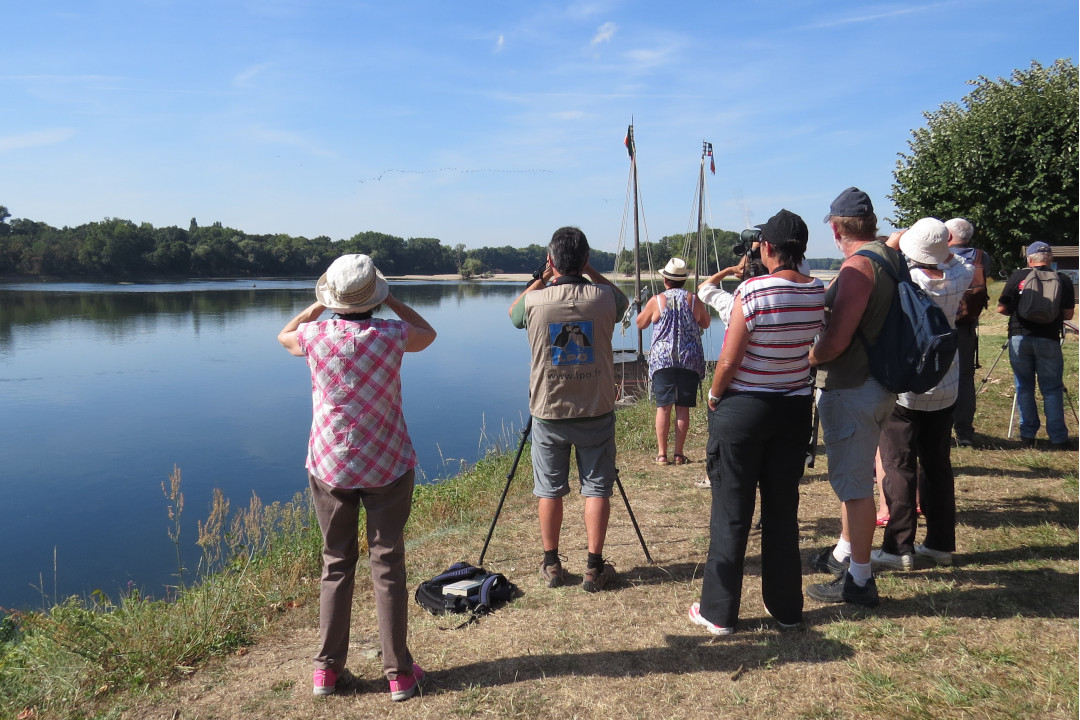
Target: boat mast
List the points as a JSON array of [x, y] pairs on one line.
[[702, 250], [630, 148]]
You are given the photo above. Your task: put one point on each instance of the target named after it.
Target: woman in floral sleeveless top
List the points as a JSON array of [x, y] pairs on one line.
[[676, 358]]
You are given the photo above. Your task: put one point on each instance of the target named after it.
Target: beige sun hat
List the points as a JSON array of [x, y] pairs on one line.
[[926, 242], [675, 269], [351, 284]]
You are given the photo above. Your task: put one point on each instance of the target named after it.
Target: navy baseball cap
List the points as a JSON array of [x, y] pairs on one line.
[[853, 202], [1038, 247], [784, 228]]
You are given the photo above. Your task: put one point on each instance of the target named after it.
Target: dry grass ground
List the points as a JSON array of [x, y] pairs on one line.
[[994, 636]]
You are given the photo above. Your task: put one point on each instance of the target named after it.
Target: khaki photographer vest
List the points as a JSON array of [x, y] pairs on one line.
[[582, 386]]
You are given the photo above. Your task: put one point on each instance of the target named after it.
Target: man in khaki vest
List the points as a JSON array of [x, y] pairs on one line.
[[572, 396]]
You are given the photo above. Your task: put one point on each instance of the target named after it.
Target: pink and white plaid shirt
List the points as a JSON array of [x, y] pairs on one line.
[[358, 434]]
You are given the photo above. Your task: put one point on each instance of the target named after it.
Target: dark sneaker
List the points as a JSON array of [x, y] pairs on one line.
[[553, 575], [844, 589], [965, 442], [824, 562], [1027, 442], [596, 579]]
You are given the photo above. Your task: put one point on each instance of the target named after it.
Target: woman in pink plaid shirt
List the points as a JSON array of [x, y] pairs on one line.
[[359, 454]]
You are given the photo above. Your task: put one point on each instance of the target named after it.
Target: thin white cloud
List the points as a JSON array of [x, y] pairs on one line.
[[876, 16], [604, 34], [282, 137], [35, 139], [246, 76], [500, 44]]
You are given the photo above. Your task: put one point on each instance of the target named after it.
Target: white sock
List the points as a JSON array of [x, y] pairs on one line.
[[860, 573], [842, 551]]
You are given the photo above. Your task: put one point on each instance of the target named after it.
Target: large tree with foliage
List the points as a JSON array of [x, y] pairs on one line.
[[1006, 158]]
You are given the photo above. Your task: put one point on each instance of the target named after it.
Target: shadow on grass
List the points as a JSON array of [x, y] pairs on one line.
[[1037, 472], [1002, 594], [1028, 511], [738, 654]]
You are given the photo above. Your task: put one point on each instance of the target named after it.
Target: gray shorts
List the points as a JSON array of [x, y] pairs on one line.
[[851, 422], [594, 444]]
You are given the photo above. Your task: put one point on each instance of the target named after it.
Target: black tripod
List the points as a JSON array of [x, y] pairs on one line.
[[510, 477]]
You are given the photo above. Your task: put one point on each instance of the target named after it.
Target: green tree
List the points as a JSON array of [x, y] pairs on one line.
[[1006, 158]]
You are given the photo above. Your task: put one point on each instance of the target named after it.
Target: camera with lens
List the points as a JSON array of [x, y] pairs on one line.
[[746, 242], [745, 249]]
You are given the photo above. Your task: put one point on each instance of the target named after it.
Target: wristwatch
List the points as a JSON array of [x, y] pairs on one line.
[[713, 398]]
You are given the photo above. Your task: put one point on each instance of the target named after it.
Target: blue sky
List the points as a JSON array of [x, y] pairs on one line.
[[482, 123]]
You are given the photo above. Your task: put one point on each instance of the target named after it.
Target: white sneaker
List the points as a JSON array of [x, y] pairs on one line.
[[695, 617], [704, 483], [941, 557], [897, 562]]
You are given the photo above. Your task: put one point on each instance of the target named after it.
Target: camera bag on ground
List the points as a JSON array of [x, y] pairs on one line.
[[493, 591], [916, 344], [1040, 297], [975, 299]]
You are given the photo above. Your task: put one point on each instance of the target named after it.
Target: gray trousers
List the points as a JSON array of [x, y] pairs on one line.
[[338, 511]]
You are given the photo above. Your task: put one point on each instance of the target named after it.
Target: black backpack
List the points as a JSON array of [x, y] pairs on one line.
[[916, 344], [1040, 298], [493, 591]]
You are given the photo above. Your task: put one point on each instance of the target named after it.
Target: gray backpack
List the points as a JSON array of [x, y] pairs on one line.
[[1040, 297]]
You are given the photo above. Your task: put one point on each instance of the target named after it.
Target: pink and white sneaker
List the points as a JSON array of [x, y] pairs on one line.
[[324, 681], [695, 617], [406, 685]]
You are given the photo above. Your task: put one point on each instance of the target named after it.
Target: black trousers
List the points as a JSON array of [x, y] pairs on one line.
[[964, 410], [755, 443], [915, 452]]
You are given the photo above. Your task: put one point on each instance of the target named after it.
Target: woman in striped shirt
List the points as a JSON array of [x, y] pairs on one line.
[[759, 424]]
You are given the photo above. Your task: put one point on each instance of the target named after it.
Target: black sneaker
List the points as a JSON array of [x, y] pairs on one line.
[[844, 589], [824, 562]]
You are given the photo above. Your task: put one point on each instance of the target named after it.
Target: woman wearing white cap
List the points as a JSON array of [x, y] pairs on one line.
[[676, 358], [916, 440], [359, 454]]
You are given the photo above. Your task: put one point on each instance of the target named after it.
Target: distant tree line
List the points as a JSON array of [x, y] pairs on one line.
[[114, 249], [117, 249]]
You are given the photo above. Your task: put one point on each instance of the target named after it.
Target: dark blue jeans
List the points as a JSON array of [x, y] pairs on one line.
[[1031, 358], [755, 443]]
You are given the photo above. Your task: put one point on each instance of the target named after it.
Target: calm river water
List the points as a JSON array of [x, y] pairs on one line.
[[104, 388]]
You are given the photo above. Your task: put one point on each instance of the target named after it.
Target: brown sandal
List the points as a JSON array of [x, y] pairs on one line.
[[661, 460], [680, 459]]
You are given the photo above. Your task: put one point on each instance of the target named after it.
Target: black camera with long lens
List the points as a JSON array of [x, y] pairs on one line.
[[745, 246]]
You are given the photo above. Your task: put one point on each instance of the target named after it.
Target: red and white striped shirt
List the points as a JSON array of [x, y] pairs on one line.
[[358, 434], [783, 318]]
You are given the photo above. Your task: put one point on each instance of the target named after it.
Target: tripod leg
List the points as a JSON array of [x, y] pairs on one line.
[[1012, 416], [633, 520], [994, 365], [509, 478]]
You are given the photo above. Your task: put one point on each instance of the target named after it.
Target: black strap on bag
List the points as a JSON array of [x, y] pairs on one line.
[[493, 592]]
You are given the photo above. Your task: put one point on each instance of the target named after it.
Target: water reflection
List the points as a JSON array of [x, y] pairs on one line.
[[105, 388]]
